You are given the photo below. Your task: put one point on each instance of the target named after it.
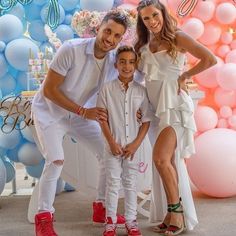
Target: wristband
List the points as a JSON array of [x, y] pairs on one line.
[[78, 110]]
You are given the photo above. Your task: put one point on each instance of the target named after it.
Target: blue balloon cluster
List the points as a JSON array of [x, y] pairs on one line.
[[21, 32]]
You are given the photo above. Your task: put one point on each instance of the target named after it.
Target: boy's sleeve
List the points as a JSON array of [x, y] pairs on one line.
[[63, 59], [101, 100], [147, 114]]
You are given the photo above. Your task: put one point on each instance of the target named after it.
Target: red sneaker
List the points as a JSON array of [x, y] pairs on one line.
[[44, 224], [132, 229], [99, 215], [110, 228]]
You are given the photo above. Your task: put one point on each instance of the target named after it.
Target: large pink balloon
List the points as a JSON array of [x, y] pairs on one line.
[[194, 27], [225, 97], [207, 78], [206, 118], [231, 57], [225, 13], [222, 50], [226, 76], [204, 10], [226, 37], [211, 33], [212, 168]]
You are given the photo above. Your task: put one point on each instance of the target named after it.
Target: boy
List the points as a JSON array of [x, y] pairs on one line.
[[123, 134]]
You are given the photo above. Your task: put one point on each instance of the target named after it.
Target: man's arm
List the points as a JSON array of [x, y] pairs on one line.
[[131, 148]]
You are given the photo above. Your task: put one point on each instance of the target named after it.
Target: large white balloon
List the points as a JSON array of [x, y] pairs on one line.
[[96, 5]]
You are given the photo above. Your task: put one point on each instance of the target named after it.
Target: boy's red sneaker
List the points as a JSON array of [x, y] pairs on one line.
[[132, 228], [44, 224], [110, 228]]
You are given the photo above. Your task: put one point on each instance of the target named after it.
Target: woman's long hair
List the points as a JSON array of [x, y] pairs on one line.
[[168, 31]]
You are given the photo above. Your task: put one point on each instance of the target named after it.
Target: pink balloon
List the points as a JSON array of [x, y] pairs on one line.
[[233, 44], [225, 97], [222, 50], [212, 168], [127, 6], [211, 33], [226, 76], [194, 27], [225, 13], [226, 112], [232, 121], [204, 10], [234, 111], [226, 37], [222, 123], [206, 118], [231, 57], [207, 78]]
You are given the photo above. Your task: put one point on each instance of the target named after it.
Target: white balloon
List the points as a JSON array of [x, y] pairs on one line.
[[96, 5]]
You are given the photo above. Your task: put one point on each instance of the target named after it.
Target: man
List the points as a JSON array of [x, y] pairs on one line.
[[76, 73]]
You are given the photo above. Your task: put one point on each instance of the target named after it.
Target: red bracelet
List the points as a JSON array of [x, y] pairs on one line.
[[79, 110]]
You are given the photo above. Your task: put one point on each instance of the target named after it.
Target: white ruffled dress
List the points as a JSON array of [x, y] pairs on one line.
[[170, 109]]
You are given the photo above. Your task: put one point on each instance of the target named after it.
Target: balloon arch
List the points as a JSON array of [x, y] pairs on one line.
[[212, 22]]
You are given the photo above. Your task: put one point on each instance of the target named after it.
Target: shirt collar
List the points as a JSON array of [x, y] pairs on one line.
[[122, 86]]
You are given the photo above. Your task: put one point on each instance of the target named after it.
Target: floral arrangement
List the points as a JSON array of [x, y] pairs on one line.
[[85, 23], [52, 37]]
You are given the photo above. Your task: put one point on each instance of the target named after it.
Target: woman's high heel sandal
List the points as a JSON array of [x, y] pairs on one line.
[[174, 229], [161, 228]]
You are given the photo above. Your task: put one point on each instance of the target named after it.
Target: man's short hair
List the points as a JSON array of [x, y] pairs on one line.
[[118, 17]]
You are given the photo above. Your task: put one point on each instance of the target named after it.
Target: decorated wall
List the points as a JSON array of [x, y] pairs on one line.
[[211, 22]]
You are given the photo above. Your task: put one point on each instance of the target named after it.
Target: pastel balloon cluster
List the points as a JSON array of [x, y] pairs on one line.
[[212, 168]]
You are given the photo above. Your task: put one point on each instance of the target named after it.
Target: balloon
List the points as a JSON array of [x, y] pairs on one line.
[[232, 121], [194, 27], [10, 28], [212, 168], [68, 5], [233, 44], [231, 57], [36, 31], [222, 123], [18, 10], [226, 76], [96, 5], [10, 169], [225, 13], [35, 171], [225, 98], [7, 84], [204, 10], [68, 19], [17, 53], [12, 154], [11, 140], [222, 50], [60, 186], [226, 37], [207, 78], [44, 13], [40, 2], [3, 65], [32, 11], [29, 154], [226, 111], [2, 46], [64, 32], [3, 176], [68, 188], [211, 34], [206, 118], [26, 132], [127, 6]]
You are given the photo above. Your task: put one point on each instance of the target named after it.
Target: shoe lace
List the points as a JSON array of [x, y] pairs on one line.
[[110, 227], [47, 227]]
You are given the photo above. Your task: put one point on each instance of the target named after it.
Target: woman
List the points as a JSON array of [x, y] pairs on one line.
[[162, 47]]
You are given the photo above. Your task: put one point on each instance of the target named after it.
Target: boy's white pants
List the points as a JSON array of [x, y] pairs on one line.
[[119, 169], [87, 132]]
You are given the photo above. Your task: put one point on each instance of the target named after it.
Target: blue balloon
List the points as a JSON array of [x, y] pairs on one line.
[[68, 5], [18, 10], [64, 32], [10, 169], [40, 2], [29, 154], [32, 12], [3, 65], [60, 186], [12, 154], [2, 46], [3, 176], [36, 31], [10, 28], [68, 19], [43, 46], [10, 140], [96, 5], [26, 132], [69, 188], [44, 13], [17, 53], [35, 171], [7, 84]]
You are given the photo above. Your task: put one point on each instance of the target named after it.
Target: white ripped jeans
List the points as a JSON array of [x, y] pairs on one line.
[[121, 170], [87, 132]]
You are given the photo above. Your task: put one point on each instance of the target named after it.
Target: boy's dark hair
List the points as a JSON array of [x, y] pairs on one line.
[[118, 17], [126, 48]]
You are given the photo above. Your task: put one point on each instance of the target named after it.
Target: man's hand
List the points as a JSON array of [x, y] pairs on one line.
[[139, 116], [183, 82], [96, 113], [129, 150], [116, 149]]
